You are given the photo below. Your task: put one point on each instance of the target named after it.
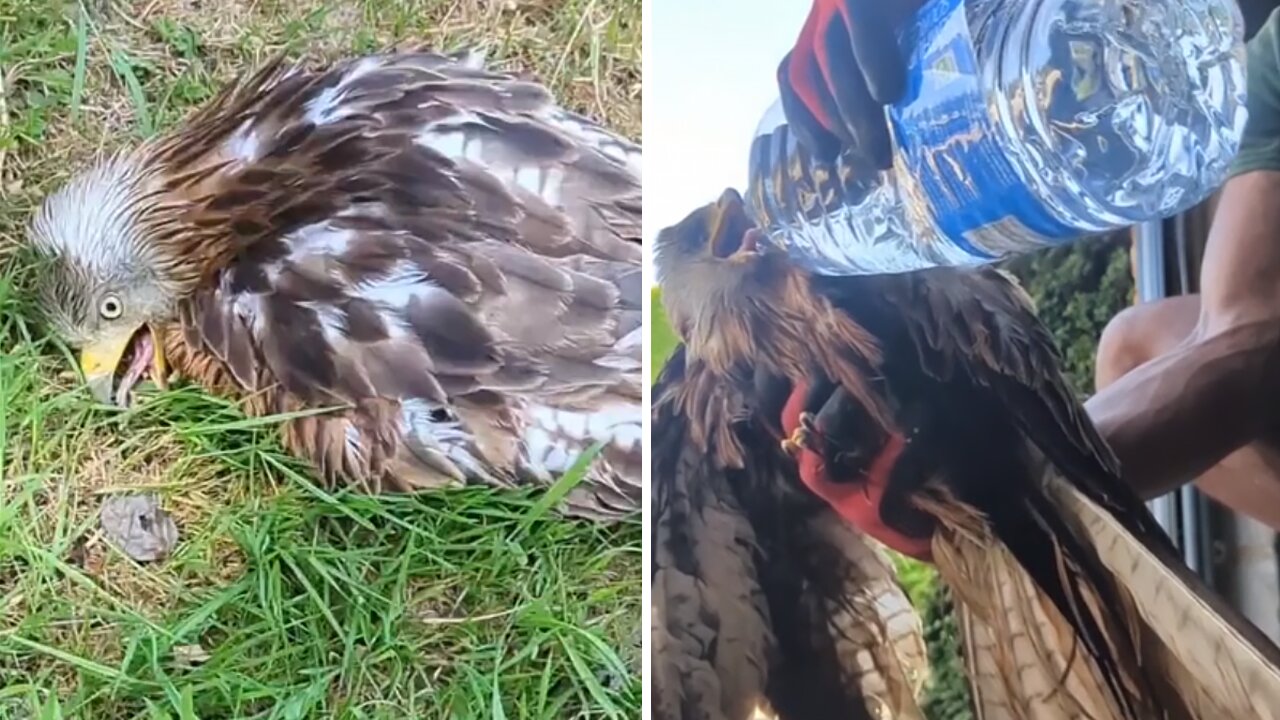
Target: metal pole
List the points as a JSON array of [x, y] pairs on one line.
[[1190, 501], [1149, 237]]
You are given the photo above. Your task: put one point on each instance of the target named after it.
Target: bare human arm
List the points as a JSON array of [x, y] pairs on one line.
[[1174, 417], [1199, 400]]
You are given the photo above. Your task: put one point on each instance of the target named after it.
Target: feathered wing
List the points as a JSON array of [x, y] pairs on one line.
[[1218, 661], [850, 643], [1195, 658], [763, 599], [1072, 600], [1022, 654], [440, 250], [712, 636]]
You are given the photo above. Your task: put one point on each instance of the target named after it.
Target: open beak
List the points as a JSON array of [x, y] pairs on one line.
[[99, 362], [731, 234]]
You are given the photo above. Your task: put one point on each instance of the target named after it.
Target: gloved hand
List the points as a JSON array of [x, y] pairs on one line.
[[841, 72], [857, 499]]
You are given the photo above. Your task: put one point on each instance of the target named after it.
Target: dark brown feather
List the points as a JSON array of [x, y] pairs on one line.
[[763, 599], [358, 236], [1073, 597], [964, 350]]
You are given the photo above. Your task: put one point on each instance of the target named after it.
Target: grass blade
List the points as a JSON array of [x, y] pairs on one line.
[[123, 67], [562, 487], [83, 664], [82, 61]]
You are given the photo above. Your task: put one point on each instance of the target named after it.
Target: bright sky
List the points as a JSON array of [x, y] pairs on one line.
[[709, 77]]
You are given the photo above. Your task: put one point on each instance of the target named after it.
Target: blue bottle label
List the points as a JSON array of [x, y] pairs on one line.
[[951, 148]]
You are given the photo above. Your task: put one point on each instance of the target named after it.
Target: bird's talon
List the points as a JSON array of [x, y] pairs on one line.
[[798, 440]]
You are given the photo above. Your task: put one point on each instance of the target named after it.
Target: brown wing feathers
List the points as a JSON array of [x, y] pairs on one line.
[[411, 238], [1074, 601], [712, 638], [762, 597]]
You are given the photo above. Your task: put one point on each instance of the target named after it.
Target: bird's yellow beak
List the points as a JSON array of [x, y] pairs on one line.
[[99, 361], [727, 227], [715, 226]]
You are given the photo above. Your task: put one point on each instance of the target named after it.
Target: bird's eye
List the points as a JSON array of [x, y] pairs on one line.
[[111, 307]]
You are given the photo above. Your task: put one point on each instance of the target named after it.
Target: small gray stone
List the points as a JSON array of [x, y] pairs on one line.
[[190, 655], [138, 526]]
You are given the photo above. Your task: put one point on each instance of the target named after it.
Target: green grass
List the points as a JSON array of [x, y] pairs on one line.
[[282, 600], [662, 339]]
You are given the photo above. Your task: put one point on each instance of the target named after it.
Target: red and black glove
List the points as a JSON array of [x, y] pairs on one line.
[[841, 72], [856, 499]]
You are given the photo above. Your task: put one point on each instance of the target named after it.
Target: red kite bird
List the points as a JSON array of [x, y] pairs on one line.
[[928, 410], [438, 252]]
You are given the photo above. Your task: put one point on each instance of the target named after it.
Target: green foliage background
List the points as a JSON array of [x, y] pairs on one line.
[[662, 339], [1077, 289]]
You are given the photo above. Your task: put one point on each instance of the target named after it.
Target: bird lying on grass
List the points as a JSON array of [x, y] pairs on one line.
[[438, 252], [928, 411]]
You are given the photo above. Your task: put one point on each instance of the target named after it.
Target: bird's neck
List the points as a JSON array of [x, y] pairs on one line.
[[178, 218], [793, 332]]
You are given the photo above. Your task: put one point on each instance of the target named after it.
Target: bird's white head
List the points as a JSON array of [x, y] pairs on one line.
[[710, 263], [104, 284]]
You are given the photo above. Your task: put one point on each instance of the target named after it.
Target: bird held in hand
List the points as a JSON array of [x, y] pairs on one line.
[[926, 410]]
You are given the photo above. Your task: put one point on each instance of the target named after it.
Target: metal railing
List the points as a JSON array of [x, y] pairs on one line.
[[1183, 513]]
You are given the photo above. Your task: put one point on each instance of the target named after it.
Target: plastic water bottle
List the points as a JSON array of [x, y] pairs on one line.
[[1026, 124]]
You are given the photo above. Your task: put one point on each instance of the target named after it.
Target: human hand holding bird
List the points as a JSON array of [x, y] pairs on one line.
[[935, 419]]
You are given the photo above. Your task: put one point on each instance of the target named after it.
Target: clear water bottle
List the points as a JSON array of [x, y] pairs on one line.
[[1026, 124]]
